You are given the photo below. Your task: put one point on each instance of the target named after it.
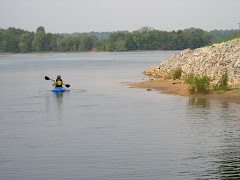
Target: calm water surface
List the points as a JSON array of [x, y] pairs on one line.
[[102, 129]]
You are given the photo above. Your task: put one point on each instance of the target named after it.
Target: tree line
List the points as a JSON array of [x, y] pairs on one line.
[[15, 40], [104, 35], [222, 34]]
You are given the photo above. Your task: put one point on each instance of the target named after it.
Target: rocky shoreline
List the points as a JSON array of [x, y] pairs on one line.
[[213, 61]]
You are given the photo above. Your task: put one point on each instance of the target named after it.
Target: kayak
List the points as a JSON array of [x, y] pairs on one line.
[[58, 89]]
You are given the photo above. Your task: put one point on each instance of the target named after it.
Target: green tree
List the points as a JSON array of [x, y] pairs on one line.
[[67, 44], [180, 44], [130, 45], [110, 44], [40, 28], [25, 42], [221, 34], [121, 45], [39, 41], [188, 38], [3, 46], [12, 37], [76, 42], [86, 43], [100, 45], [136, 39], [153, 40], [60, 44]]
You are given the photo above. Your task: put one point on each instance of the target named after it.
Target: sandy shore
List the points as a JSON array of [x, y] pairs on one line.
[[177, 87]]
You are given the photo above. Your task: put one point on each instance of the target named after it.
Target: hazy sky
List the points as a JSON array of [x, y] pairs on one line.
[[68, 16]]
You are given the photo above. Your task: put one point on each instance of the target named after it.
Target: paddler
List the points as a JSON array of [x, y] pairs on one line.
[[58, 82]]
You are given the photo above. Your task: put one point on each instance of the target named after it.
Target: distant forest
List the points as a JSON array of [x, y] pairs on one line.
[[13, 40]]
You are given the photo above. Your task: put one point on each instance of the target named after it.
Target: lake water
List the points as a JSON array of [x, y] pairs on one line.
[[103, 129]]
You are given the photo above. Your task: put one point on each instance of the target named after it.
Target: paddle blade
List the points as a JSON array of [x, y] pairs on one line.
[[47, 78], [67, 85]]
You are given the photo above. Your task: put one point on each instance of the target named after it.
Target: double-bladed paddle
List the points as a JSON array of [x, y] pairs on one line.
[[47, 78]]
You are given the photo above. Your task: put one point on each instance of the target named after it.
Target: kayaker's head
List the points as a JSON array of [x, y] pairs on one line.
[[58, 76]]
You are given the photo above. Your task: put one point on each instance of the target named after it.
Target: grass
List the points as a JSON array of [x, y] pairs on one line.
[[198, 84], [235, 36], [177, 73], [202, 84], [223, 83]]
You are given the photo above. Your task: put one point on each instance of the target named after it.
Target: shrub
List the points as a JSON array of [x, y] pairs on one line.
[[177, 73], [223, 83], [198, 84], [190, 79]]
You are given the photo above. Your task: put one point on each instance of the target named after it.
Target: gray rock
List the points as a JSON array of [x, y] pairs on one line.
[[212, 61]]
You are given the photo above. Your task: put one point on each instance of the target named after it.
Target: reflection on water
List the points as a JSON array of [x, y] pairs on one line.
[[198, 102], [59, 103], [54, 105], [215, 126], [229, 162], [59, 98]]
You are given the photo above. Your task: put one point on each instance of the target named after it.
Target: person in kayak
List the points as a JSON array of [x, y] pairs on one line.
[[58, 82]]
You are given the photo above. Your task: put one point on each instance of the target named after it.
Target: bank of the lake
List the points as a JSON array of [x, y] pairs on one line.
[[178, 87], [213, 61]]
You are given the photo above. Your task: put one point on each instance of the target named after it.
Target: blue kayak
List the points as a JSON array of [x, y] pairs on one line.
[[58, 89]]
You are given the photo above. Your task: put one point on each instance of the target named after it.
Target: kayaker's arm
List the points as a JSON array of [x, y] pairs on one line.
[[54, 82]]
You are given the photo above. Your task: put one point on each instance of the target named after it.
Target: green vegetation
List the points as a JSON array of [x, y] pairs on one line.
[[202, 84], [99, 35], [14, 40], [177, 73], [198, 84], [235, 36], [215, 34], [222, 34], [223, 83]]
